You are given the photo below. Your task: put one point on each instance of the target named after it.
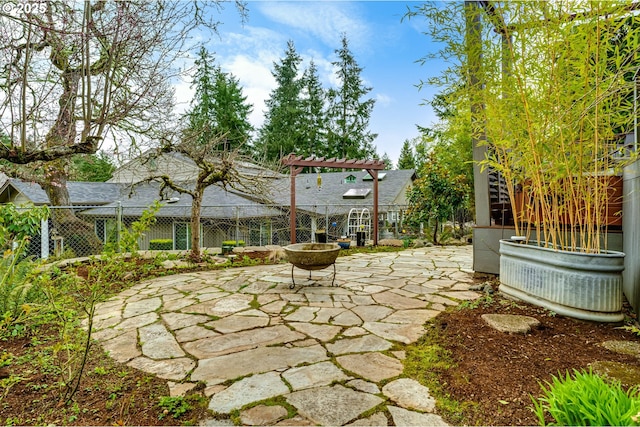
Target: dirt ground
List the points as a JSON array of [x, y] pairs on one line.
[[496, 373]]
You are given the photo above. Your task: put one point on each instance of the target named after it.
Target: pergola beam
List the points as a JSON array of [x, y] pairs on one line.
[[297, 163]]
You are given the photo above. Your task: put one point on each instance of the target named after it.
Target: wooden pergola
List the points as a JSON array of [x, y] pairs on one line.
[[297, 163]]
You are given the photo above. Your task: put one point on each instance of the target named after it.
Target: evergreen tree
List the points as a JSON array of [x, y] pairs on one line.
[[219, 111], [97, 167], [406, 160], [349, 114], [387, 161], [313, 122], [281, 132]]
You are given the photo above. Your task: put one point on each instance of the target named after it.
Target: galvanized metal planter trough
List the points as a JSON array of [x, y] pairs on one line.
[[576, 284], [312, 256]]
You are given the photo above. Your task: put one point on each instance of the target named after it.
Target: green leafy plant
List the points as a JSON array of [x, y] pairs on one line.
[[18, 224], [129, 237], [19, 290], [174, 406], [587, 399]]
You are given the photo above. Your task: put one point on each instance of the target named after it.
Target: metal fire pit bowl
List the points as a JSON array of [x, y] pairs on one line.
[[312, 256]]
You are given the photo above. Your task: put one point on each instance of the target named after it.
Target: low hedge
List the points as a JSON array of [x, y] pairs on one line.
[[233, 243], [161, 245]]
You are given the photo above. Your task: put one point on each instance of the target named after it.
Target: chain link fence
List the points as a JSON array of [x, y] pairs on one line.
[[85, 230]]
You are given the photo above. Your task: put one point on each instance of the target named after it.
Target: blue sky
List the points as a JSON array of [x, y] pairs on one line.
[[384, 46]]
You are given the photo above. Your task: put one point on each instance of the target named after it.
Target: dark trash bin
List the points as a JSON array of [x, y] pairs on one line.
[[360, 238], [321, 237]]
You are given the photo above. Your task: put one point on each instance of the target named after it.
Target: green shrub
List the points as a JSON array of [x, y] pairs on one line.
[[587, 400], [161, 244], [233, 243]]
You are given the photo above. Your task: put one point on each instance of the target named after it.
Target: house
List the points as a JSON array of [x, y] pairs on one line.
[[335, 201]]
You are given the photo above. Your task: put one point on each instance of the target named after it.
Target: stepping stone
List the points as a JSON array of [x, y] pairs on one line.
[[141, 307], [231, 366], [238, 323], [411, 316], [334, 406], [371, 313], [372, 366], [138, 321], [398, 302], [179, 389], [194, 333], [222, 307], [406, 333], [404, 417], [631, 348], [410, 394], [365, 386], [171, 369], [511, 323], [323, 333], [158, 343], [248, 390], [263, 415], [316, 375], [240, 341], [181, 320], [363, 344], [123, 348], [628, 375], [377, 419]]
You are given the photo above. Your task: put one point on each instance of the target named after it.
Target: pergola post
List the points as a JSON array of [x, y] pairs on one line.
[[294, 171], [297, 163]]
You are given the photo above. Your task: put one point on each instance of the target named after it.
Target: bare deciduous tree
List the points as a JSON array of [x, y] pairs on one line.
[[224, 168], [73, 74]]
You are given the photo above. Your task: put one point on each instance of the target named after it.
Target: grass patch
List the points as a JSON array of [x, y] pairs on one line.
[[425, 361]]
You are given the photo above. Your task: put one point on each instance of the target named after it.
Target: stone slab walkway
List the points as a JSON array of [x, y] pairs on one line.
[[328, 351]]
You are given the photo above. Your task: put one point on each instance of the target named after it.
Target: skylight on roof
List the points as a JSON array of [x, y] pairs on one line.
[[356, 193], [368, 177]]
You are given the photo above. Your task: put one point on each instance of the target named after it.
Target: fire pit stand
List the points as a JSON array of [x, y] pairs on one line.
[[312, 256]]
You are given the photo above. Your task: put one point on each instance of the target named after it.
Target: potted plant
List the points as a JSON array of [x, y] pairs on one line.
[[344, 242], [555, 93], [228, 245]]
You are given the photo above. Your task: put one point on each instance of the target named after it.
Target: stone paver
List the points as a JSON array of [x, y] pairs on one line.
[[333, 406], [316, 375], [410, 394], [511, 323], [263, 415], [326, 350], [371, 366], [252, 389], [404, 417]]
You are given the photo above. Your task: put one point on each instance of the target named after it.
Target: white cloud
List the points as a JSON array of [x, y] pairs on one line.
[[383, 100], [326, 21]]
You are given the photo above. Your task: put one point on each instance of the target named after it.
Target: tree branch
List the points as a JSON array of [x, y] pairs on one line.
[[20, 157]]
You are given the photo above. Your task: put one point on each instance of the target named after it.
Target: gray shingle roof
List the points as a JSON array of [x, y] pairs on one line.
[[80, 193]]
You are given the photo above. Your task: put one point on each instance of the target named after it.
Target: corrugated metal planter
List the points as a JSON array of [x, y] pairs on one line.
[[575, 284]]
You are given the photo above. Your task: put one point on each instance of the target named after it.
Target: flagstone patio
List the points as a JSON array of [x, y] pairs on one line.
[[329, 351]]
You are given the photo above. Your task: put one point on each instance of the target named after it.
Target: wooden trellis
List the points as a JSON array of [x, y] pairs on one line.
[[297, 163]]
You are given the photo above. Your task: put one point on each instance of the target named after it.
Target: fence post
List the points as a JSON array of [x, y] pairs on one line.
[[118, 224], [44, 239], [237, 224], [326, 221]]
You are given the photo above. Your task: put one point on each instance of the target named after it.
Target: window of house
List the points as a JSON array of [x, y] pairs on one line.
[[350, 179], [182, 236]]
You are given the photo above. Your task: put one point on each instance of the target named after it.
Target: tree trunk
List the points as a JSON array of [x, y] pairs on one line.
[[78, 235], [435, 232], [196, 206]]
